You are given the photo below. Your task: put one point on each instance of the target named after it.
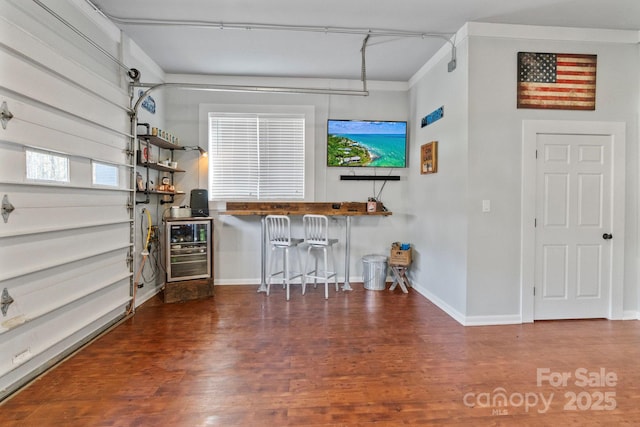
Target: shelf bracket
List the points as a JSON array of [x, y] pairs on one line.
[[5, 114]]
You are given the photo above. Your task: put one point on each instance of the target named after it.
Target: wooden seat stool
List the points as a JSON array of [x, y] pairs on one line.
[[400, 277]]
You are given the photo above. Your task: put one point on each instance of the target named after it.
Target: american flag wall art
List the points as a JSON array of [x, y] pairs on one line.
[[561, 81]]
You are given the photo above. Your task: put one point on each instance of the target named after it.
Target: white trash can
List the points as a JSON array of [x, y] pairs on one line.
[[374, 273]]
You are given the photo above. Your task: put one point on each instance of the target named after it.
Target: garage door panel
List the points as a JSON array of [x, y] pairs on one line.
[[61, 197], [41, 209], [45, 291], [50, 89], [65, 249], [28, 221], [15, 39], [26, 254], [55, 327], [36, 126]]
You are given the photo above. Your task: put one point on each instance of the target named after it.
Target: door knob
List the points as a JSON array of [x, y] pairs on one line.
[[607, 236]]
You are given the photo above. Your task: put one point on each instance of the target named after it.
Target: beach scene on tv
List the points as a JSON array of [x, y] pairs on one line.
[[355, 143]]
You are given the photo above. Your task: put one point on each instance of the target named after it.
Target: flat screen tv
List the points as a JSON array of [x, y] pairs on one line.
[[367, 143]]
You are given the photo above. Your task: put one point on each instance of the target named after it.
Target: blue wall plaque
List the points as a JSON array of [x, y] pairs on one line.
[[432, 117]]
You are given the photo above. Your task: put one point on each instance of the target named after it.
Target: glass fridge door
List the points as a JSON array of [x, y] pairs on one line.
[[189, 250]]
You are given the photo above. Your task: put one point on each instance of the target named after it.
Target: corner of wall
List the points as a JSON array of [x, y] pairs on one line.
[[446, 50], [440, 303]]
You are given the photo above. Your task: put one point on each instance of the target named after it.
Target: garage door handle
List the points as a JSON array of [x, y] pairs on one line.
[[6, 208], [607, 236]]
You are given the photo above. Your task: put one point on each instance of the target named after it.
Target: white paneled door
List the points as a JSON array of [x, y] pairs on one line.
[[573, 226]]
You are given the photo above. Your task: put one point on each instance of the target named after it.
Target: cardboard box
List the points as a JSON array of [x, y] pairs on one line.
[[399, 256]]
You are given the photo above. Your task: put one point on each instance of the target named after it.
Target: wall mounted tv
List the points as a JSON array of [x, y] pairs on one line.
[[366, 143]]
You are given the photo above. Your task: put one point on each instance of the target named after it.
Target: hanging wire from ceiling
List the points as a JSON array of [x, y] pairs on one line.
[[219, 25], [134, 74], [243, 88], [81, 34], [363, 75], [131, 72]]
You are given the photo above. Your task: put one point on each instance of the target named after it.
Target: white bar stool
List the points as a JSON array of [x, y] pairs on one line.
[[316, 237], [279, 237]]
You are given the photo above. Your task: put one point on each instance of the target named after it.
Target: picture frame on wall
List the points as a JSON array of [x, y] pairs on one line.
[[429, 158], [560, 81]]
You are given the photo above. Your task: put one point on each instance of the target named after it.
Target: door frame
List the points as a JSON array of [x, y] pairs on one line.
[[531, 128]]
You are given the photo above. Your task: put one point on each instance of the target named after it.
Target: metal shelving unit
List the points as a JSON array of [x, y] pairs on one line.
[[148, 164]]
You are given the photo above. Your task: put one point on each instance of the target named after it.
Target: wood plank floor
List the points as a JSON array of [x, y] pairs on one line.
[[361, 358]]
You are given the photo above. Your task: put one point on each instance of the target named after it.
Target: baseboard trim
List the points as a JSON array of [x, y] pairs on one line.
[[452, 312], [503, 319], [467, 320]]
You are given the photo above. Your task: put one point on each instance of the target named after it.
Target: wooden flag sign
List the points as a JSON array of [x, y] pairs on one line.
[[557, 81]]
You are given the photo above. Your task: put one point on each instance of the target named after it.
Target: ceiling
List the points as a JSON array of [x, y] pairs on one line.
[[257, 38]]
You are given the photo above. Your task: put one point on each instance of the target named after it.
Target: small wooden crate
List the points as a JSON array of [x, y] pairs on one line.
[[187, 290], [399, 256]]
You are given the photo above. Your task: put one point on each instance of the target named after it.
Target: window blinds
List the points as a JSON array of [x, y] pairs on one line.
[[256, 156]]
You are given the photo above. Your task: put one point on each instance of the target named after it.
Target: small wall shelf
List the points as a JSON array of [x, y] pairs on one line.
[[159, 167], [166, 193], [162, 143]]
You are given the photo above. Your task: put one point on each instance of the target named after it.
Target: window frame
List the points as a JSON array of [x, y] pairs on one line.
[[115, 168], [309, 139], [64, 157]]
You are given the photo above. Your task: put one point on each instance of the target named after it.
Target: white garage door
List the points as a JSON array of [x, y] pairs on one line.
[[65, 179]]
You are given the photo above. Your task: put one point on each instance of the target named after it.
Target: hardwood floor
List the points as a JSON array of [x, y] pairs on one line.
[[361, 358]]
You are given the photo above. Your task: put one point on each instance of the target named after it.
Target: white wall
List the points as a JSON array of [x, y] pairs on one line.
[[495, 141], [237, 250], [438, 209], [467, 261]]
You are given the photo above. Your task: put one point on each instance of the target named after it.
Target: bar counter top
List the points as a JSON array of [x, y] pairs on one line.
[[302, 208]]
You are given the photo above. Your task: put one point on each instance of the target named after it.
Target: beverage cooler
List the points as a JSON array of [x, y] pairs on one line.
[[188, 248]]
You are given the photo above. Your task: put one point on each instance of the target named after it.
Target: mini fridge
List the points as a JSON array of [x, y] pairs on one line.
[[188, 248]]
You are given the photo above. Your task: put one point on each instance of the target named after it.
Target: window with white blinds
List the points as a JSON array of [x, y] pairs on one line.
[[256, 156]]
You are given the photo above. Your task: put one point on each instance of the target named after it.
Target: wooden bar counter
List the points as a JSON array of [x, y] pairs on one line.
[[302, 208]]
